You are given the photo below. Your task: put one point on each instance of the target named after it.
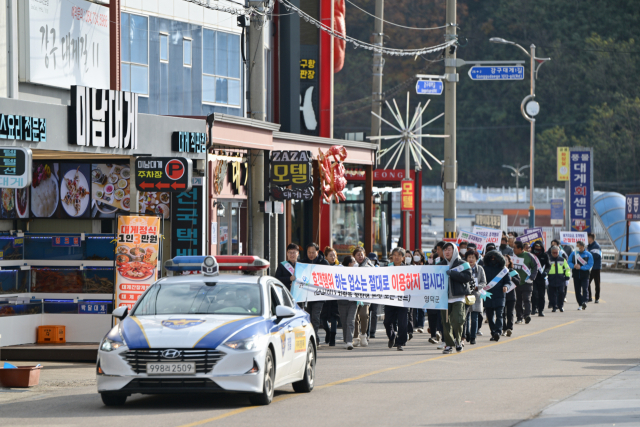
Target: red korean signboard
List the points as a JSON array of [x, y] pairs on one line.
[[408, 196]]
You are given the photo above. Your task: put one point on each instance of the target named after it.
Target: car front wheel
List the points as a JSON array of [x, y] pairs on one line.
[[111, 399], [306, 384], [266, 396]]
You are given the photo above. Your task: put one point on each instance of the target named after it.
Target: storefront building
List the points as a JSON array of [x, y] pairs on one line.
[[57, 235]]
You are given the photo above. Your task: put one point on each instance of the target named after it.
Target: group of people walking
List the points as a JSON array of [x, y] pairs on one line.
[[503, 288]]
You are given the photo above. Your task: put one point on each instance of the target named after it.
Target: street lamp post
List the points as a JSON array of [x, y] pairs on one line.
[[529, 110], [517, 172]]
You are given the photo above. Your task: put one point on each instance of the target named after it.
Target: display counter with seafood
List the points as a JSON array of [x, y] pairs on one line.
[[14, 280], [12, 247], [9, 309]]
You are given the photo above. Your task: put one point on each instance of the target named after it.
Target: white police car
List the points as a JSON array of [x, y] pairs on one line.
[[209, 332]]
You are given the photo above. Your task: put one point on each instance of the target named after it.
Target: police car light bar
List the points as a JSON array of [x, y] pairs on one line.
[[223, 262]]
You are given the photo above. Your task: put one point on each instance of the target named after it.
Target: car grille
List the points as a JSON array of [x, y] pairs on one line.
[[205, 360], [164, 385]]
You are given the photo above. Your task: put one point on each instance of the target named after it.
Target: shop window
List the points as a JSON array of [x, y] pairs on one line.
[[164, 47], [186, 48], [221, 82], [135, 53]]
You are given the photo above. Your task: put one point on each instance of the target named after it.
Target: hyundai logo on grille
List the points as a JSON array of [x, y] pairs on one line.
[[171, 354]]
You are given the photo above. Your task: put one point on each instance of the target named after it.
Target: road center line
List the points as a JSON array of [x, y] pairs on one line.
[[380, 371]]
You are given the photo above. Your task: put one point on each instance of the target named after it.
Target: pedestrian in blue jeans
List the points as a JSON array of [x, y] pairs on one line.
[[581, 261]]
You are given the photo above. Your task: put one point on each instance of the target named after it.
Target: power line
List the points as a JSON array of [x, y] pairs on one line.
[[358, 43], [392, 23]]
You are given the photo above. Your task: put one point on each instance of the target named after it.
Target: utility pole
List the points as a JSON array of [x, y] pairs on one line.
[[378, 66], [450, 162], [257, 106], [532, 120]]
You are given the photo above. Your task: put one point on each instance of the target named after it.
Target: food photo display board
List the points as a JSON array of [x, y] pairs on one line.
[[67, 190], [137, 256]]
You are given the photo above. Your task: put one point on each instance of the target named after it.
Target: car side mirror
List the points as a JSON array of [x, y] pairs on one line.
[[283, 312], [120, 312]]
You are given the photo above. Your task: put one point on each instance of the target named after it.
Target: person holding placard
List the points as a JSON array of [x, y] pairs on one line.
[[581, 261], [460, 280]]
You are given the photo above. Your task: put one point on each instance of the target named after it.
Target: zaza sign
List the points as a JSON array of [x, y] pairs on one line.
[[103, 118]]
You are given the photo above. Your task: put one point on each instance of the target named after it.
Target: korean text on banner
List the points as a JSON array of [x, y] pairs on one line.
[[572, 237], [68, 43], [407, 286], [580, 190], [137, 256], [533, 236], [563, 163], [469, 237], [408, 196], [492, 235]]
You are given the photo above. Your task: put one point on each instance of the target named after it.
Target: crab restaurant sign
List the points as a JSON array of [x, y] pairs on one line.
[[103, 118]]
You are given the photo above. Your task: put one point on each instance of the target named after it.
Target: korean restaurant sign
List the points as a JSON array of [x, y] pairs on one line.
[[103, 118], [407, 196], [23, 128], [187, 222], [563, 164], [581, 189], [64, 43], [15, 167], [137, 257], [423, 286]]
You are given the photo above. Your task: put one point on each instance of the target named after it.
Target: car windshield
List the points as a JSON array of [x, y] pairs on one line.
[[201, 298]]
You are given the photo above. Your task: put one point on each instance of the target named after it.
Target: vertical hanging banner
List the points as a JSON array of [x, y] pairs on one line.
[[408, 196], [580, 190], [187, 223], [137, 255], [563, 164]]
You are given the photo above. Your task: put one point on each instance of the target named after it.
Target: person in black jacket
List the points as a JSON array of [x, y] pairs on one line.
[[510, 299], [494, 263], [286, 269], [459, 286], [396, 317], [540, 282], [314, 308]]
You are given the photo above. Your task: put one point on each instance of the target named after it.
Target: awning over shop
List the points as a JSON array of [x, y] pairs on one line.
[[359, 153]]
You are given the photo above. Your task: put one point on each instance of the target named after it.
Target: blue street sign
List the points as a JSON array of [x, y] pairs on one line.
[[429, 87], [632, 207], [510, 72]]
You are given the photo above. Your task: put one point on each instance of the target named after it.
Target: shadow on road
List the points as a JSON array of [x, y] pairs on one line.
[[137, 404]]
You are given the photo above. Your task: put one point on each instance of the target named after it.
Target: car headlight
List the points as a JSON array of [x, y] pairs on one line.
[[113, 341], [110, 345], [251, 343]]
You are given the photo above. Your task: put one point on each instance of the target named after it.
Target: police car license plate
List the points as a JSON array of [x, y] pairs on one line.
[[171, 368]]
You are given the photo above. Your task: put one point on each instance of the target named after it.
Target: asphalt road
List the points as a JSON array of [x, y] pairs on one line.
[[542, 367]]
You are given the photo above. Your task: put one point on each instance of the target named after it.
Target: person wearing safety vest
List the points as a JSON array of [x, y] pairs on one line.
[[559, 275], [581, 261]]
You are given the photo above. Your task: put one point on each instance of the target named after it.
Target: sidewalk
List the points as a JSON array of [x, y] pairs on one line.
[[615, 401]]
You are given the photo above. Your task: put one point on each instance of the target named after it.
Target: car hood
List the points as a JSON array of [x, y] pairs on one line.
[[185, 331]]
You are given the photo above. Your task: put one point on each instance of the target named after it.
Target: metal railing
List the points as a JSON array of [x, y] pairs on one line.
[[615, 259]]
